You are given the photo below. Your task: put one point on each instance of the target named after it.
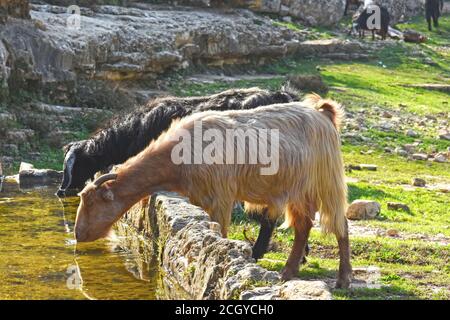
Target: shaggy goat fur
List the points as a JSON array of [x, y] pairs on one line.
[[126, 136], [310, 176]]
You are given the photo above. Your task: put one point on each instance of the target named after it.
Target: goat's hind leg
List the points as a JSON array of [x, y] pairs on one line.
[[345, 268], [302, 224]]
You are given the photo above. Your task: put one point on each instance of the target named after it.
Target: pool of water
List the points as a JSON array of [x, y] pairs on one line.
[[39, 258]]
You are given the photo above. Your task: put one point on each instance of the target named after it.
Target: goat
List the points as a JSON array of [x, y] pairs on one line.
[[126, 137], [310, 176], [361, 21], [433, 9]]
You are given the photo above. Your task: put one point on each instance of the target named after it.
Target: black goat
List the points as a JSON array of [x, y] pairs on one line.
[[367, 20], [433, 9], [126, 137]]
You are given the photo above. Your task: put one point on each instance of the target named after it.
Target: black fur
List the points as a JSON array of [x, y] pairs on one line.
[[360, 23], [433, 9], [126, 136]]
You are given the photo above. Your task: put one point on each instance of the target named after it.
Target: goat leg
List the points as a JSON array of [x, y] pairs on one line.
[[261, 245], [302, 225], [345, 268]]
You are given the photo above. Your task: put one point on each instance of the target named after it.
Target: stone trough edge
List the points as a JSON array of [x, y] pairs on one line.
[[197, 263]]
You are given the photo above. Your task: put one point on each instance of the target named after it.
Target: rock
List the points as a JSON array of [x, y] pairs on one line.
[[14, 8], [410, 147], [82, 66], [440, 157], [401, 10], [30, 177], [388, 150], [411, 133], [198, 262], [392, 233], [368, 167], [420, 156], [363, 210], [410, 35], [386, 126], [444, 135], [10, 149], [418, 182], [290, 290], [308, 83], [401, 152], [386, 114], [19, 136], [398, 206]]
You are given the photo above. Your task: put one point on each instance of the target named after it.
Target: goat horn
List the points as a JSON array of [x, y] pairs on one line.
[[102, 179]]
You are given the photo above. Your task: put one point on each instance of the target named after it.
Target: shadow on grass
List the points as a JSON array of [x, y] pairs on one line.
[[357, 192]]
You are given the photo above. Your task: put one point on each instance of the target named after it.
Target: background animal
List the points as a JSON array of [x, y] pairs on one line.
[[433, 9], [366, 21], [310, 177]]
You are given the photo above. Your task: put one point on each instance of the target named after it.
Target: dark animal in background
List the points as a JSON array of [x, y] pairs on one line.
[[126, 137], [362, 22], [349, 3], [433, 9]]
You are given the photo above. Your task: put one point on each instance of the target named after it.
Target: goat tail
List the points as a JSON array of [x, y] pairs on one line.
[[332, 201], [331, 109]]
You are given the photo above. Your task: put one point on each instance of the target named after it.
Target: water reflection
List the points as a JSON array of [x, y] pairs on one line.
[[39, 258]]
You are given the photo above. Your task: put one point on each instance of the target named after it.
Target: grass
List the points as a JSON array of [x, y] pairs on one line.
[[410, 269]]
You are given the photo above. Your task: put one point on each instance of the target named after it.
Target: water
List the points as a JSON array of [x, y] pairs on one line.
[[39, 258]]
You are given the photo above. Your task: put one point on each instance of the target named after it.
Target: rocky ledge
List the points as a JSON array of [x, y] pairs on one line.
[[118, 48], [197, 263]]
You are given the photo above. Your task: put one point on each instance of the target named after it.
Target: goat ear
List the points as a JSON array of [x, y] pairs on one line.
[[68, 146], [108, 195]]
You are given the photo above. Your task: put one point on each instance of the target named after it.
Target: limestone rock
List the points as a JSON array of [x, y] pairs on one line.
[[444, 135], [440, 157], [14, 8], [418, 182], [30, 177], [290, 290], [363, 210], [420, 156], [411, 133]]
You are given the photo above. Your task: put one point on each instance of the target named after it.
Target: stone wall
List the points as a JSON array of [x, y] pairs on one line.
[[14, 8], [197, 263]]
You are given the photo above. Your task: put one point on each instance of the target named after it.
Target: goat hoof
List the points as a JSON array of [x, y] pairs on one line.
[[343, 283]]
